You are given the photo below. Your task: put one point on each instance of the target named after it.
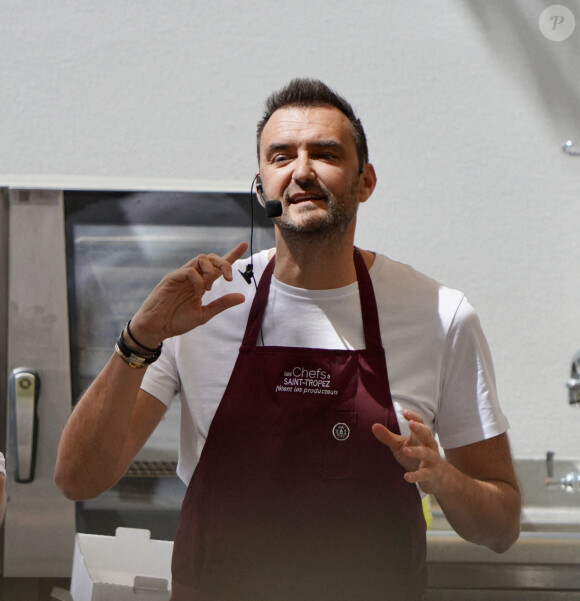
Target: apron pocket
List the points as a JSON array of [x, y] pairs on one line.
[[340, 445]]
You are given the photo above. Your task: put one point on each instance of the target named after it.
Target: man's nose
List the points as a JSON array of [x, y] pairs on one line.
[[303, 168]]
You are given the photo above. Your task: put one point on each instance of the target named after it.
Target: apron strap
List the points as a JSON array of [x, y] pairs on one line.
[[370, 316], [259, 305], [368, 303]]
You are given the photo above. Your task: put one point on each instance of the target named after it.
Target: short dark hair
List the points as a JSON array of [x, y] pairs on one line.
[[303, 92]]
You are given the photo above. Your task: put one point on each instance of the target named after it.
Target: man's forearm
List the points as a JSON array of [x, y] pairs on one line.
[[92, 446], [482, 512]]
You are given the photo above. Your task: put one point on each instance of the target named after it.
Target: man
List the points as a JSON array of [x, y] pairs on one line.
[[286, 392]]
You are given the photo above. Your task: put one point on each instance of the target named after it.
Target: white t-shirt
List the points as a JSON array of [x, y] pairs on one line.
[[2, 465], [438, 360]]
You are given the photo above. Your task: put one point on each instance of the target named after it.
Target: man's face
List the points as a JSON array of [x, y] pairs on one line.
[[308, 160]]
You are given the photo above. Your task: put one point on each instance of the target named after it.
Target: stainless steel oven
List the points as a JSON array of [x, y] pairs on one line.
[[75, 265]]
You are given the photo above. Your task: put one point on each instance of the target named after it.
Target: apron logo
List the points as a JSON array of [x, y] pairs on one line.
[[306, 381], [341, 431]]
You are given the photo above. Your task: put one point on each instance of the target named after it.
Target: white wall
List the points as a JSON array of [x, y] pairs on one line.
[[465, 103]]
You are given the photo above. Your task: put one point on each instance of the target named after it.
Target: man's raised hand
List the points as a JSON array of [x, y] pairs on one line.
[[175, 305]]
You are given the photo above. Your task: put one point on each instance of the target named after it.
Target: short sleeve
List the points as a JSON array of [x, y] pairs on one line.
[[161, 378], [469, 410]]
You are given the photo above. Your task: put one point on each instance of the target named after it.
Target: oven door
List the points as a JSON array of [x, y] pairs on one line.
[[119, 246], [39, 525], [80, 264]]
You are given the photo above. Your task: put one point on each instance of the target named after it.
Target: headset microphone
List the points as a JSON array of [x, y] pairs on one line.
[[273, 208]]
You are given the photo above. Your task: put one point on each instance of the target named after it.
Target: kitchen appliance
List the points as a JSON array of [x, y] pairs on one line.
[[75, 263]]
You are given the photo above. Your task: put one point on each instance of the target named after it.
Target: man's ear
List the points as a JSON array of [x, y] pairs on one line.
[[368, 181]]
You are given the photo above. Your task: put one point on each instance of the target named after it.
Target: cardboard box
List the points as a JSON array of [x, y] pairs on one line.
[[126, 567]]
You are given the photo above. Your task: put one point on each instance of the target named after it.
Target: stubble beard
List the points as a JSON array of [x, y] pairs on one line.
[[330, 226]]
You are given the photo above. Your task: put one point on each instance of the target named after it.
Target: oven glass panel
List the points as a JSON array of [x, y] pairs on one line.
[[119, 245]]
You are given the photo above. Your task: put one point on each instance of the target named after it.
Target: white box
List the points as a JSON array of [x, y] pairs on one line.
[[126, 567]]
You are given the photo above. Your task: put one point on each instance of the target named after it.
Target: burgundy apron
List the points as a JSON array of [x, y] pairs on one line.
[[293, 497]]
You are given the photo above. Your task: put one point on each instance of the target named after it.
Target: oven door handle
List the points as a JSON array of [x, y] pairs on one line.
[[24, 390]]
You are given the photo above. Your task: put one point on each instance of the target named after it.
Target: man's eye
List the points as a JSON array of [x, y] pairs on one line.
[[280, 158]]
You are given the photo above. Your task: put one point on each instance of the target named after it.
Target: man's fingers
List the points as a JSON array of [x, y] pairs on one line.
[[384, 435], [423, 433], [221, 304], [236, 253], [418, 476], [210, 267], [232, 256], [410, 415], [420, 452]]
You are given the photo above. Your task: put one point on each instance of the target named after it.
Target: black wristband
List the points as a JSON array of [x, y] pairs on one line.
[[151, 350], [133, 357]]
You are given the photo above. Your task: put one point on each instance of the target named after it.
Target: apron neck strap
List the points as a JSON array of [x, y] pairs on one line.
[[368, 303], [370, 317]]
